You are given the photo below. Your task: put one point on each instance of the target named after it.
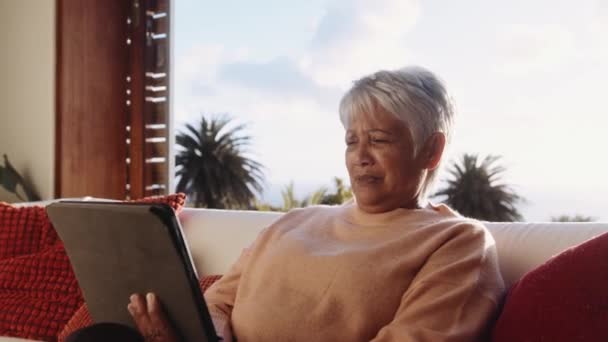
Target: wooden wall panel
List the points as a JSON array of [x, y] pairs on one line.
[[92, 66]]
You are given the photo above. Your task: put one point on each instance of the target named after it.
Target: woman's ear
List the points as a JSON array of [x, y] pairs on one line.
[[433, 150]]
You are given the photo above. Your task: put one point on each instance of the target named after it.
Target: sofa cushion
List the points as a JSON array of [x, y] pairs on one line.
[[38, 290], [565, 299], [82, 318]]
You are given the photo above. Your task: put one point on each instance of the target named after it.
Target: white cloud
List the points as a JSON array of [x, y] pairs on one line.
[[597, 32], [600, 20], [352, 38], [196, 72], [358, 37], [524, 49], [201, 62], [292, 101]]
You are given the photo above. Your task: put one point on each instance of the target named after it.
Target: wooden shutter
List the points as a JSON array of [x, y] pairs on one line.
[[113, 121], [148, 84]]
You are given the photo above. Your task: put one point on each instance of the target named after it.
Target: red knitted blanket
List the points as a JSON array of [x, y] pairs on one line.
[[38, 290], [82, 318]]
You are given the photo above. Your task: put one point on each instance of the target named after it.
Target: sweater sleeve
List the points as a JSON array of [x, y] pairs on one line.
[[220, 297], [454, 295]]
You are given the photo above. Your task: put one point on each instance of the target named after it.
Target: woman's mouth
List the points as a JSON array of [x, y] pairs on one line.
[[367, 179]]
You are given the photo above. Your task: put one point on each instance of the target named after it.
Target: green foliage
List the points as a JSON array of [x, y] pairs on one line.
[[575, 218], [212, 165], [289, 199], [475, 189], [12, 181], [319, 196], [341, 195]]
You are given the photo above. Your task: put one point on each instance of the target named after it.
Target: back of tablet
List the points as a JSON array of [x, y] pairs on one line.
[[117, 249]]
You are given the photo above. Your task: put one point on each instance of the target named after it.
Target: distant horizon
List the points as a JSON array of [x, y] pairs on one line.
[[541, 206]]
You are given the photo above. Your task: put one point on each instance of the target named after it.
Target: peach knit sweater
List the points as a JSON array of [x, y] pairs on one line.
[[340, 274]]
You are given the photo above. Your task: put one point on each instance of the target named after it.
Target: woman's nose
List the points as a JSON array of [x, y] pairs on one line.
[[364, 158]]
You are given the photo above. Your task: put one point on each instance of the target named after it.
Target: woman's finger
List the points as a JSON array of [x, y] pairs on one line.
[[156, 314], [138, 304], [162, 329], [138, 309], [152, 303]]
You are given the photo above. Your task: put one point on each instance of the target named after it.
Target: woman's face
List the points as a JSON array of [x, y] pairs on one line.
[[383, 172]]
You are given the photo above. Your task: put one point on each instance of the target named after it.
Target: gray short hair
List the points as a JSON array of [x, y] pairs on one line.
[[413, 94]]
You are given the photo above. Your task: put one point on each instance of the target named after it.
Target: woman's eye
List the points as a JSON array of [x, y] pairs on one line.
[[379, 141]]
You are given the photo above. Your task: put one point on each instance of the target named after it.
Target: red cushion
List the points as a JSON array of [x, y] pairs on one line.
[[565, 299], [38, 290], [82, 318]]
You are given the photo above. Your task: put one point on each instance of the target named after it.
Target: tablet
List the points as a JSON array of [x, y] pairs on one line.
[[117, 249]]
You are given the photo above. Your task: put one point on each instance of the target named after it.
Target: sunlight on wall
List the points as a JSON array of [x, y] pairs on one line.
[[27, 91]]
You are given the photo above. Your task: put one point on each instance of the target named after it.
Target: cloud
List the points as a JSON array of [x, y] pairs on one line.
[[277, 75], [600, 20], [291, 101], [358, 37], [200, 64], [278, 78], [596, 33], [351, 39], [524, 49]]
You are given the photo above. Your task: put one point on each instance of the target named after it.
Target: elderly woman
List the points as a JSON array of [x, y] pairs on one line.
[[388, 266]]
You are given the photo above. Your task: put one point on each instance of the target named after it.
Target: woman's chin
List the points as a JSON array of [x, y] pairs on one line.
[[369, 203]]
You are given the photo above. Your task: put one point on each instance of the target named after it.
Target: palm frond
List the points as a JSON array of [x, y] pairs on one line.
[[475, 189], [212, 165]]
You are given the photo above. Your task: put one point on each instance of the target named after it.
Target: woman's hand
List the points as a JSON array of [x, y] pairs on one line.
[[150, 318]]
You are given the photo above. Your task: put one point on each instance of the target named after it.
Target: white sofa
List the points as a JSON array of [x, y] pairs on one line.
[[217, 237]]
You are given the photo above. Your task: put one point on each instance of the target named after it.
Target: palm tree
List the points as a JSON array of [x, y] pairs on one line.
[[212, 165], [476, 190]]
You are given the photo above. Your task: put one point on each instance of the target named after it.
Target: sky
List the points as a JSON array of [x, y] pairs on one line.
[[528, 79]]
